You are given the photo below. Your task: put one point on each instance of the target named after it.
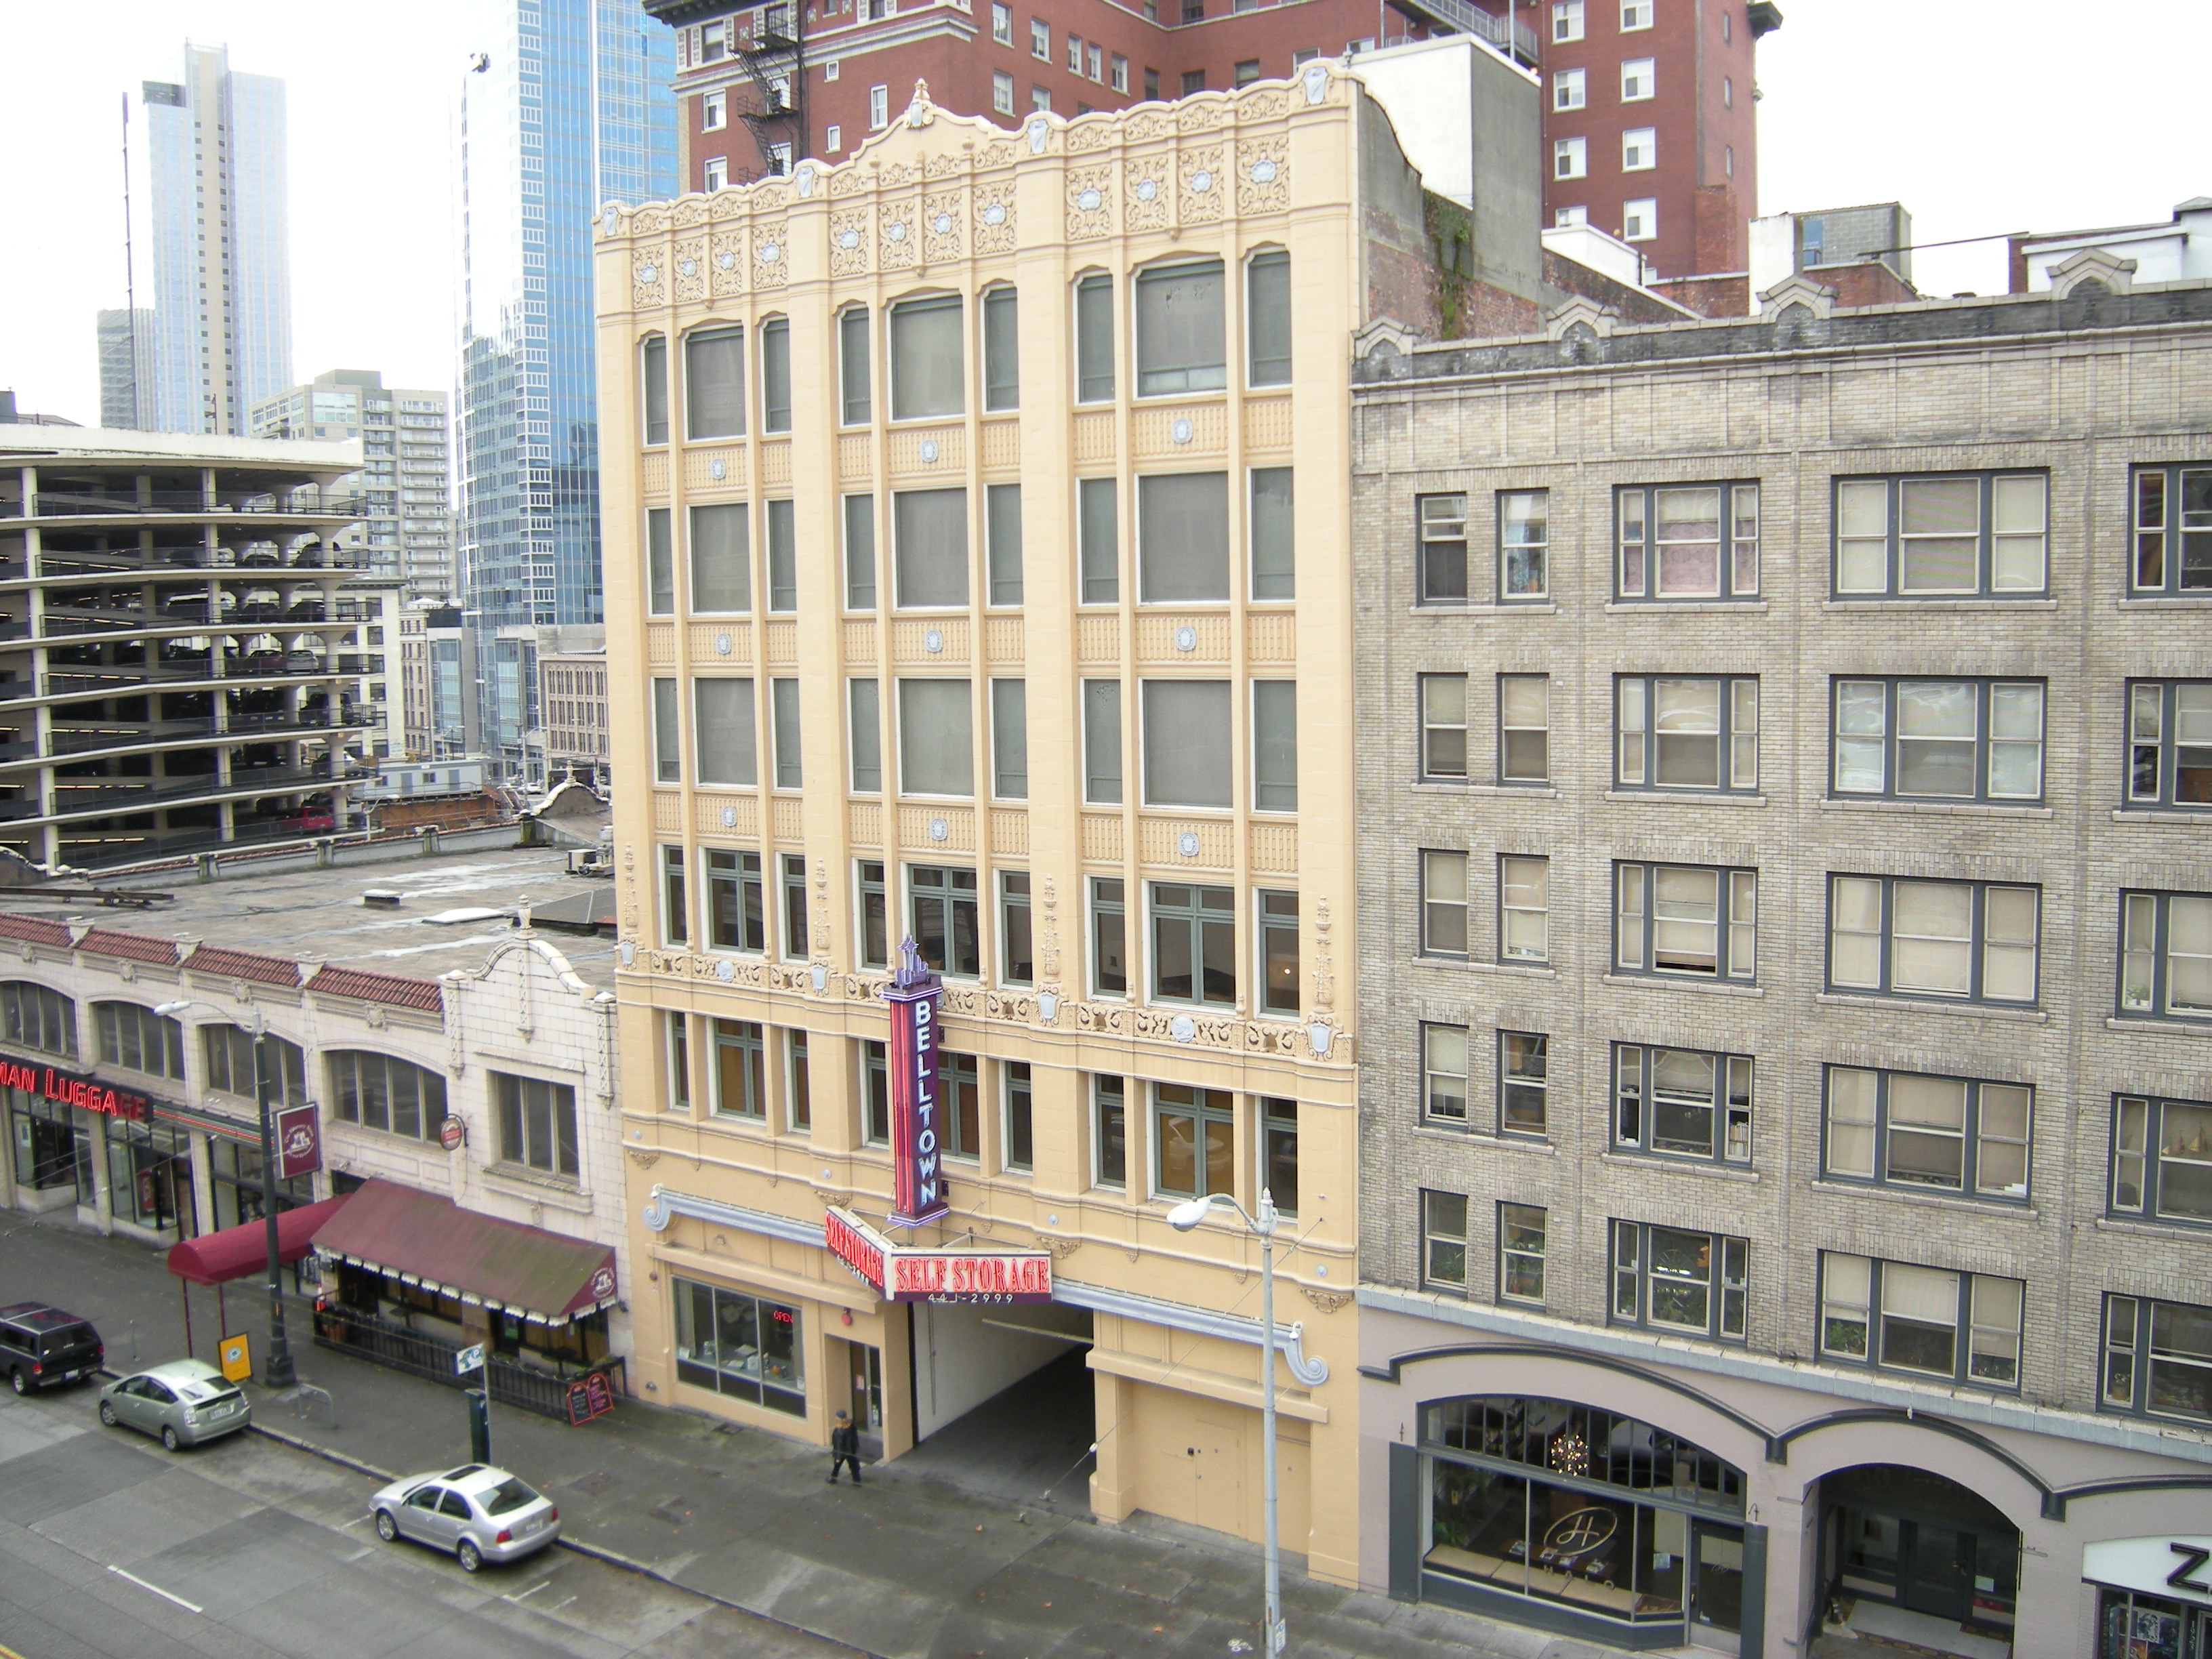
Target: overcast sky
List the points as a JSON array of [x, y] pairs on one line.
[[1982, 117]]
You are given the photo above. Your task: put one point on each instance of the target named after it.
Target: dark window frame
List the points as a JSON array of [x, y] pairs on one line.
[[2151, 1158], [1207, 921], [1882, 1128], [1727, 886], [735, 893], [2173, 560], [1636, 1130], [1978, 943], [349, 1071], [1876, 1338], [1729, 549], [1729, 729], [2154, 1000], [2166, 747], [1429, 726], [939, 885], [564, 1158], [1631, 1255], [2128, 1326], [1893, 591], [1892, 737]]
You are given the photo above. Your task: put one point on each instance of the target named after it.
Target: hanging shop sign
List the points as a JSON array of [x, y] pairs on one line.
[[299, 1141], [917, 1001], [88, 1092], [899, 1273], [453, 1134]]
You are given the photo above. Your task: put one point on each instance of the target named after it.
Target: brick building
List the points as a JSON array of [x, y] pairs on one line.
[[1647, 120], [1786, 912]]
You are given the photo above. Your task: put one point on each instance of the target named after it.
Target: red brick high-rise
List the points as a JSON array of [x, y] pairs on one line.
[[1649, 131]]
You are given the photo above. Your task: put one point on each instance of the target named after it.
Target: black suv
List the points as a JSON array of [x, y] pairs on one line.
[[41, 1346]]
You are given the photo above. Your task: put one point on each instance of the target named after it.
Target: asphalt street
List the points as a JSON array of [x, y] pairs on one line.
[[110, 1545]]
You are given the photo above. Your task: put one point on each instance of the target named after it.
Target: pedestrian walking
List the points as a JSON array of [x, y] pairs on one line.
[[844, 1448]]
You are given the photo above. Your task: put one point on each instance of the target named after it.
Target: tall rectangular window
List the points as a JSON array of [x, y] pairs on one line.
[[1668, 1279], [675, 899], [1444, 1076], [1688, 542], [1524, 909], [943, 918], [927, 378], [782, 555], [783, 699], [1958, 534], [1524, 728], [1109, 1133], [1275, 746], [1569, 90], [1443, 905], [794, 905], [960, 1095], [537, 1124], [1440, 558], [1700, 734], [937, 754], [1101, 742], [1094, 339], [1968, 940], [930, 547], [1681, 1102], [775, 374], [1099, 539], [1523, 1083], [1018, 953], [660, 563], [1279, 1154], [726, 745], [667, 733], [1444, 726], [1193, 943], [1521, 1233], [1685, 918], [860, 552], [1109, 951], [740, 1069], [1944, 1134], [1002, 530], [2169, 753], [653, 377], [1195, 1139], [1443, 1240], [798, 1082], [722, 559], [1267, 314], [1187, 742], [2172, 525], [714, 383], [1002, 92], [1279, 952], [875, 1096], [1939, 739], [865, 724], [1183, 536], [680, 1062], [1181, 343], [875, 914], [1523, 545], [1274, 534], [1010, 739], [737, 904], [2166, 954], [1002, 376], [856, 403], [1019, 1131]]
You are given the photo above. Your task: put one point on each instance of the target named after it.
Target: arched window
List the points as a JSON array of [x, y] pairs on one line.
[[379, 1092], [37, 1017], [139, 1039], [231, 1066]]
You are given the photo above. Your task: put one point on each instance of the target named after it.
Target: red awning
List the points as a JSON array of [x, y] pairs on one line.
[[241, 1252], [419, 1237]]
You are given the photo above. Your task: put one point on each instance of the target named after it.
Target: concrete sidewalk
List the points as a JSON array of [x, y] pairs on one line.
[[912, 1565]]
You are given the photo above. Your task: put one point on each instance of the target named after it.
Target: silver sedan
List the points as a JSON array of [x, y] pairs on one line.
[[479, 1513], [182, 1403]]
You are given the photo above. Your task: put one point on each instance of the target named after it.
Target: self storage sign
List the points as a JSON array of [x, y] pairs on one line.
[[898, 1274]]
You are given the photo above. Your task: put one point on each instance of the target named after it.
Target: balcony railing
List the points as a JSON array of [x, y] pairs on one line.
[[293, 504], [243, 780]]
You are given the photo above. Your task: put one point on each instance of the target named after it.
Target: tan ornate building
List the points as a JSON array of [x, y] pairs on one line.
[[956, 590]]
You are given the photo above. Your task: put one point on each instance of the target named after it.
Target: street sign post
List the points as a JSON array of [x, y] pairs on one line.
[[469, 1359]]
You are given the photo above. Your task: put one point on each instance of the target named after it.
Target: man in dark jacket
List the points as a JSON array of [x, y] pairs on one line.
[[844, 1448]]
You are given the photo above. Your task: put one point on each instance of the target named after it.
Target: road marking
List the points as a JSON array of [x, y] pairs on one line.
[[189, 1606], [532, 1590], [355, 1521]]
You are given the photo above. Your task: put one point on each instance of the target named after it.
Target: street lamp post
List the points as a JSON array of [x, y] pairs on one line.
[[276, 1370], [1184, 1217]]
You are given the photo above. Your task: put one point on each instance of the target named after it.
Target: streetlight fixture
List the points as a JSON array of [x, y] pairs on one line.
[[276, 1370], [1184, 1217]]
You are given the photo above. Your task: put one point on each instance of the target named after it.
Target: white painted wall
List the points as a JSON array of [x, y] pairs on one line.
[[960, 1361]]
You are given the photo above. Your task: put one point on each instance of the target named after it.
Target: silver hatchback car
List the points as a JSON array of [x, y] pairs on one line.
[[183, 1403], [479, 1513]]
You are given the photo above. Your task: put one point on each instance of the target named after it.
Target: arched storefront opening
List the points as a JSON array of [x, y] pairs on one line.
[[1573, 1517], [1917, 1558]]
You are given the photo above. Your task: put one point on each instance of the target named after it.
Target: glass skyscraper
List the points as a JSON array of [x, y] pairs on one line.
[[223, 268], [568, 106]]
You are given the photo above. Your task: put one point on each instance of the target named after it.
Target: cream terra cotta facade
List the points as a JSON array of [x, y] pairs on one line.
[[940, 205]]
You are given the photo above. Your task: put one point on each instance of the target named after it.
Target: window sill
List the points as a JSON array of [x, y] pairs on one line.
[[1959, 602], [1930, 1005], [1435, 1130], [1521, 791], [1486, 607], [2166, 602], [1958, 809], [1667, 981], [1671, 607], [1690, 1166], [2172, 1230], [1511, 970], [1687, 797], [2163, 1027], [2160, 815], [1893, 1195]]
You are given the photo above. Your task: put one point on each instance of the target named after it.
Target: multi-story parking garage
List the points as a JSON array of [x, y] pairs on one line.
[[175, 669]]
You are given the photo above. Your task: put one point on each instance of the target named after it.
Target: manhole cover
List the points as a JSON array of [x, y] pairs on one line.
[[675, 1511], [597, 1480]]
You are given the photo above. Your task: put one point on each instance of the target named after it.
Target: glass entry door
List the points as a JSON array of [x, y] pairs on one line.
[[867, 1407], [1716, 1586]]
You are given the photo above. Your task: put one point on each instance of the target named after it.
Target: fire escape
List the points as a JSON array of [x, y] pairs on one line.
[[775, 61]]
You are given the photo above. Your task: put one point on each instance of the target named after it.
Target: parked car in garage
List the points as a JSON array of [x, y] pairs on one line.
[[41, 1345], [186, 1402], [479, 1513]]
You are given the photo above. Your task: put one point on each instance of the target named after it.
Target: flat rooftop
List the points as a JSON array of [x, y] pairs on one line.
[[298, 910]]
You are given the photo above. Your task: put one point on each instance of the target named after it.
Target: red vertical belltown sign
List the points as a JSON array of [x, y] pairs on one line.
[[917, 999]]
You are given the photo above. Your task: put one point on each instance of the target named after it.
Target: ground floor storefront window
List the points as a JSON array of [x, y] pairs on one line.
[[149, 1176], [236, 1167], [52, 1154], [1583, 1508], [2132, 1624], [745, 1347]]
